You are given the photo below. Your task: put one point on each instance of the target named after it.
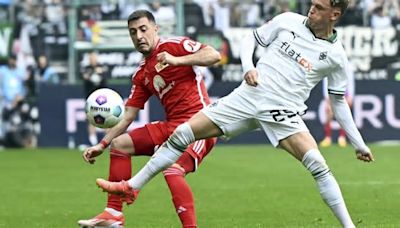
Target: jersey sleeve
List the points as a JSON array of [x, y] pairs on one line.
[[266, 33], [185, 46], [139, 93], [337, 80]]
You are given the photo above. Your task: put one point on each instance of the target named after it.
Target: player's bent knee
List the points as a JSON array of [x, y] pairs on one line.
[[182, 137], [120, 145], [315, 163]]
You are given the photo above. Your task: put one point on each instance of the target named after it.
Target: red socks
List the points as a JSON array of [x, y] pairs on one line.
[[328, 129], [342, 132], [120, 169], [182, 196]]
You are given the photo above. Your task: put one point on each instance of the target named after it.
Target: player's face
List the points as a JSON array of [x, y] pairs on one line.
[[321, 14], [143, 34]]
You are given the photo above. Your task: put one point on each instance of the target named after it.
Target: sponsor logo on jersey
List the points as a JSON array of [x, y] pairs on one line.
[[158, 83], [293, 54], [161, 87]]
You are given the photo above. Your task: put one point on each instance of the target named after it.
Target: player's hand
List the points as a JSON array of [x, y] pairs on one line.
[[365, 155], [251, 77], [166, 58], [91, 152]]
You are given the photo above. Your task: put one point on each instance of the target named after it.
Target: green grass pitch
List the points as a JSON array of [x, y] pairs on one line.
[[236, 186]]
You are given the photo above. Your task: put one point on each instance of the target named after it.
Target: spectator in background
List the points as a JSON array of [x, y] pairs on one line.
[[13, 79], [205, 6], [45, 73], [109, 10], [353, 15], [221, 12], [125, 8], [56, 17], [194, 18], [13, 95], [4, 6], [380, 19], [94, 78]]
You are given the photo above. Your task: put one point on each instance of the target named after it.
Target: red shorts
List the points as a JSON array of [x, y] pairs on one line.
[[147, 139]]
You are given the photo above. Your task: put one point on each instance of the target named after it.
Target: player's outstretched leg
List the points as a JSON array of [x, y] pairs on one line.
[[328, 187]]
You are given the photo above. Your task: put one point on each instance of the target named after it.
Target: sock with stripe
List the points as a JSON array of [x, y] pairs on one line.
[[120, 169], [182, 196], [327, 185]]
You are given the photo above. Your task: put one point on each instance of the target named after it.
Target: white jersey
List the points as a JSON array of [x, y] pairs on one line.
[[295, 61], [351, 84]]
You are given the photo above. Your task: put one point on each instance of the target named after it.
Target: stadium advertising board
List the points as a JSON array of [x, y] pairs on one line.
[[376, 112]]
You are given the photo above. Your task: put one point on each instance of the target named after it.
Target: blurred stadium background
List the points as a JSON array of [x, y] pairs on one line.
[[47, 112]]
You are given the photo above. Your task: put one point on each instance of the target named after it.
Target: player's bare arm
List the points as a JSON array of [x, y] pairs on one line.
[[91, 153], [203, 57]]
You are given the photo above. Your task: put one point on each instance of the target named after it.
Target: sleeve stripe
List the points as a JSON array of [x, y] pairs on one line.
[[336, 92], [258, 39]]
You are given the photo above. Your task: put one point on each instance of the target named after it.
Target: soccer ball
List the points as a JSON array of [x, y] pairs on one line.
[[104, 108]]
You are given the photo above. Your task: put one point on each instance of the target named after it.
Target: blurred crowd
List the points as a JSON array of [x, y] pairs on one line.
[[39, 50]]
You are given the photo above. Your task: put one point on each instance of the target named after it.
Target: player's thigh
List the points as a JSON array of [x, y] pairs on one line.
[[195, 153], [299, 144], [147, 139], [288, 130], [122, 143], [232, 114]]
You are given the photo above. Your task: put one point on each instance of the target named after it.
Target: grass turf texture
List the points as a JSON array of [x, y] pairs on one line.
[[236, 186]]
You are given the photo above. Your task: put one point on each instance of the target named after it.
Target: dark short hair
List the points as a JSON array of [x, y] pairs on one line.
[[342, 4], [136, 15]]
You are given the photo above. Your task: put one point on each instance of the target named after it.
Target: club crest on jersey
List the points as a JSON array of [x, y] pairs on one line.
[[160, 66], [323, 55]]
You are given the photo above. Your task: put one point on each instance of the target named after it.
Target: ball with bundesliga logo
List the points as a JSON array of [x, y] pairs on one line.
[[104, 108]]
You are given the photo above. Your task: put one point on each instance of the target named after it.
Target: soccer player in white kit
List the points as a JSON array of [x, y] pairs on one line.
[[299, 52]]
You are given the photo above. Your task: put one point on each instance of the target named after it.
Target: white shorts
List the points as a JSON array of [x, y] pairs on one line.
[[240, 112]]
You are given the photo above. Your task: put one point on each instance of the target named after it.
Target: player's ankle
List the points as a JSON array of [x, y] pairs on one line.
[[113, 211]]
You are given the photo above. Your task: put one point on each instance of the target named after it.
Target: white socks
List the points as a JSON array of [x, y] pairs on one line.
[[165, 156], [328, 187]]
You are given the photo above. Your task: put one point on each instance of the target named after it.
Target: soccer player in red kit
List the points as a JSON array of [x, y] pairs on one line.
[[169, 72]]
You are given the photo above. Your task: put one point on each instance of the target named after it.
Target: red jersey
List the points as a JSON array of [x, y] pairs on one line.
[[180, 89]]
